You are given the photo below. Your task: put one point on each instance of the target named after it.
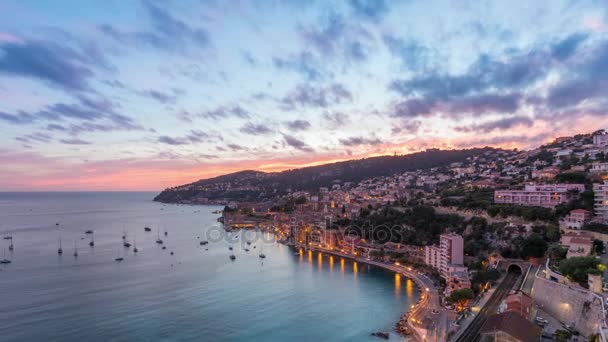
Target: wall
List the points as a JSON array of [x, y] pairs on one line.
[[570, 305]]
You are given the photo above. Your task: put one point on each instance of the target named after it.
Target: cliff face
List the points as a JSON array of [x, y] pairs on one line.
[[255, 186]]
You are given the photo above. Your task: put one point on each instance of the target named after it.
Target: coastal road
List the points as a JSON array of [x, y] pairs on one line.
[[471, 333]]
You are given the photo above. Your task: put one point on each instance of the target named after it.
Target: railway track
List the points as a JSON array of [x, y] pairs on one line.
[[471, 334]]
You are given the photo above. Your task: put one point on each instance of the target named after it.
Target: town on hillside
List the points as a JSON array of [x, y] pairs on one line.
[[504, 242]]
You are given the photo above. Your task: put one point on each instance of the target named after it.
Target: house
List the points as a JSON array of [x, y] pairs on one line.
[[579, 244], [520, 303], [576, 219], [547, 173], [599, 168], [509, 326]]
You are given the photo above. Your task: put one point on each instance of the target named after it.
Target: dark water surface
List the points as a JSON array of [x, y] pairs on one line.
[[194, 295]]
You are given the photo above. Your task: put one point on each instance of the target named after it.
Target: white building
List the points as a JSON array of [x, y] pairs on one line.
[[601, 201], [449, 252], [600, 139], [599, 168]]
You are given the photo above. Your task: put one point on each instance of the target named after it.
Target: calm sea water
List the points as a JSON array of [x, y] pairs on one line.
[[194, 295]]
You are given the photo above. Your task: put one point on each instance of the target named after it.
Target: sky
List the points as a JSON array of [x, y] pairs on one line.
[[144, 95]]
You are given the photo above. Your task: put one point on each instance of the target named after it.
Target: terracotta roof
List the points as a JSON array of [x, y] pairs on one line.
[[580, 211], [513, 324]]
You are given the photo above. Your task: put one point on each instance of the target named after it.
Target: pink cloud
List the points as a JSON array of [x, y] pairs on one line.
[[9, 38]]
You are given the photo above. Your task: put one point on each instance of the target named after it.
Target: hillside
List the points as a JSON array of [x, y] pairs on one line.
[[255, 186]]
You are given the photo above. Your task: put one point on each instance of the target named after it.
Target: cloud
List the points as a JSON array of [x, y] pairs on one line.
[[304, 95], [485, 74], [159, 96], [255, 129], [335, 36], [236, 147], [336, 119], [223, 112], [298, 125], [297, 143], [92, 114], [369, 9], [356, 141], [53, 63], [34, 138], [303, 63], [565, 48], [412, 54], [168, 32], [407, 127], [466, 105], [501, 124], [75, 141], [193, 137]]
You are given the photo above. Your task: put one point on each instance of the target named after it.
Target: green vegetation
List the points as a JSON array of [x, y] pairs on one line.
[[533, 246], [527, 213], [572, 178], [419, 225], [596, 227], [562, 335], [578, 268], [461, 296]]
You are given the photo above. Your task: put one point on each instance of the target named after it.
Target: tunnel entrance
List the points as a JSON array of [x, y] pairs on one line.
[[514, 268]]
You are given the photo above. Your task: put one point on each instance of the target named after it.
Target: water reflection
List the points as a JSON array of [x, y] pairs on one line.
[[397, 285]]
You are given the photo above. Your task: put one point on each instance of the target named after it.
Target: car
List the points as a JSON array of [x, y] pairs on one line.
[[541, 320], [435, 311], [450, 307]]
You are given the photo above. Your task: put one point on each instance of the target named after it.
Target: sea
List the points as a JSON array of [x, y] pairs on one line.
[[186, 292]]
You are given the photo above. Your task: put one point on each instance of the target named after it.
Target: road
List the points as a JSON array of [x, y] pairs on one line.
[[471, 334]]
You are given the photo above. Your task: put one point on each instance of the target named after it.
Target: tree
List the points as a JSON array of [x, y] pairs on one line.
[[578, 268], [598, 246], [461, 296], [562, 335], [533, 247]]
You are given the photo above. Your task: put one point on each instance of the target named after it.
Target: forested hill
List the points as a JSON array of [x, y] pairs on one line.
[[254, 185]]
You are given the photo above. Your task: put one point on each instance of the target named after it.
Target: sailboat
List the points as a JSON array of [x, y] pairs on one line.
[[92, 243], [120, 258], [147, 229], [262, 255], [75, 250], [60, 250], [11, 247], [158, 240], [5, 260], [124, 234], [232, 256], [135, 250]]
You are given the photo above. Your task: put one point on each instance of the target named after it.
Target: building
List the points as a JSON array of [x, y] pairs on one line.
[[599, 168], [601, 202], [576, 219], [547, 196], [449, 252], [600, 139], [579, 244], [520, 303], [509, 327], [547, 173]]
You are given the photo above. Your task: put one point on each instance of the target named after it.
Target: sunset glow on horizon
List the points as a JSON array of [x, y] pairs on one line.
[[145, 95]]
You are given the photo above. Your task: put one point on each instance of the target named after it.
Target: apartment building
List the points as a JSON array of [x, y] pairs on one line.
[[449, 252], [601, 201], [547, 196]]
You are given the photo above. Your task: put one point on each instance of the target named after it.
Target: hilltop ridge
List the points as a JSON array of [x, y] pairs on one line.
[[251, 185]]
